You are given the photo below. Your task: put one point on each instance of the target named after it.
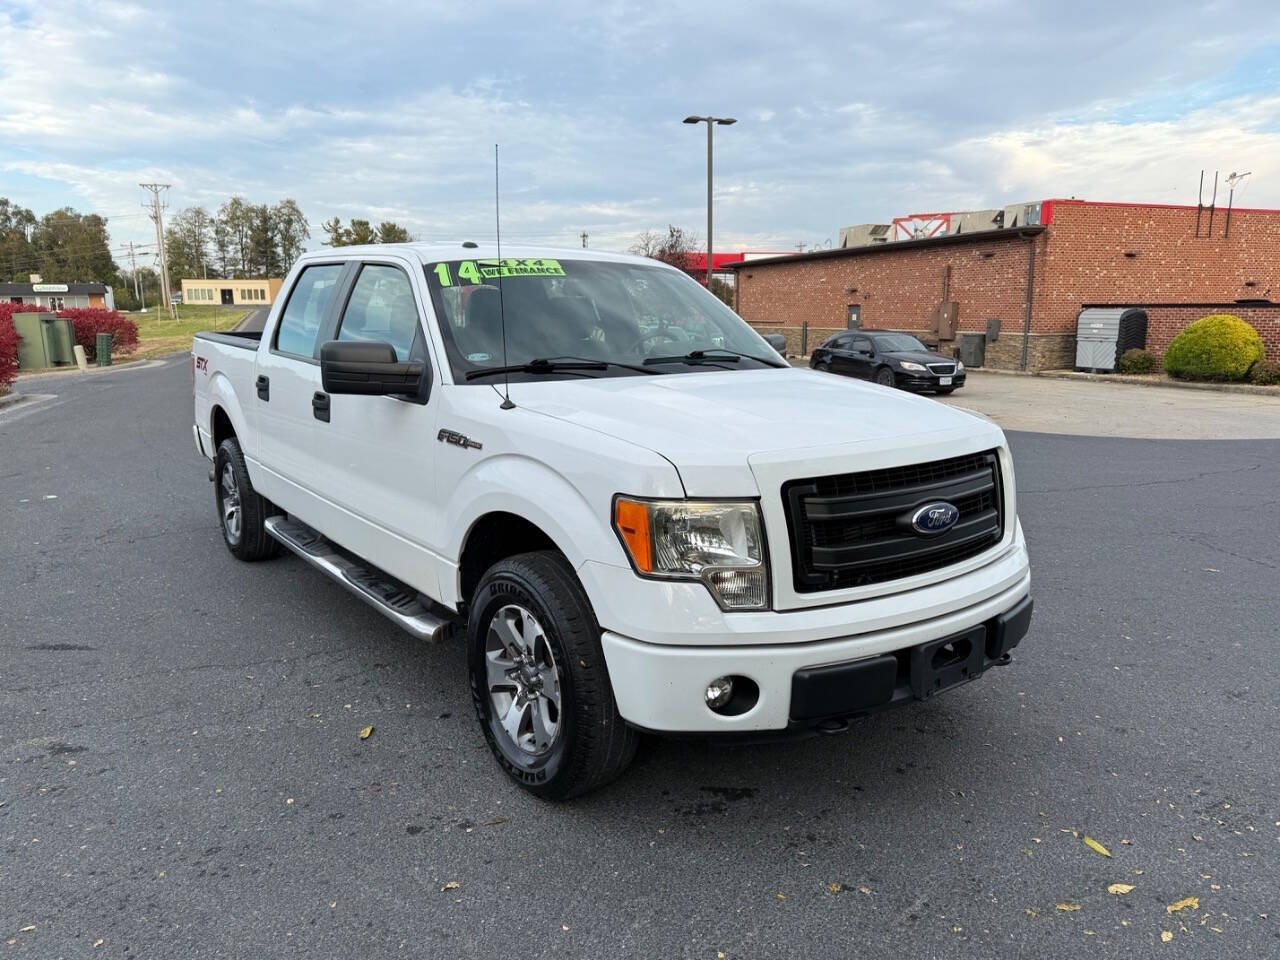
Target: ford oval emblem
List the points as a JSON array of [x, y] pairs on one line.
[[934, 518]]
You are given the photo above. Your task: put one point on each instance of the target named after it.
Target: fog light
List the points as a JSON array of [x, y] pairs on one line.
[[719, 691]]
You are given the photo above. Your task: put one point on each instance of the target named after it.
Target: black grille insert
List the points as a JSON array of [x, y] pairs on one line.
[[853, 529]]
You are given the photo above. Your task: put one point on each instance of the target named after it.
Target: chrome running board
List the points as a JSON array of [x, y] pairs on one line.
[[396, 601]]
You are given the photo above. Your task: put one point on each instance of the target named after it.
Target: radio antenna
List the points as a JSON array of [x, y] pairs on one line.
[[497, 232]]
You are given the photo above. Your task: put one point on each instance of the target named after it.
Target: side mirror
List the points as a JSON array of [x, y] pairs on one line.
[[777, 341], [368, 368]]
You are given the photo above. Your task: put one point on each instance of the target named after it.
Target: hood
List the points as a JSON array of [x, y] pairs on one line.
[[918, 356], [712, 425]]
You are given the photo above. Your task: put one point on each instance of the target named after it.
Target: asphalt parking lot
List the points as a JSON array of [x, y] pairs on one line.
[[182, 774]]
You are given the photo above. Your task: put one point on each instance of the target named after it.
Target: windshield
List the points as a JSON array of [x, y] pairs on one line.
[[899, 342], [619, 313]]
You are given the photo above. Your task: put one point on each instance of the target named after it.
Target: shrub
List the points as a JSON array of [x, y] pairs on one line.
[[1217, 347], [9, 341], [91, 321], [1135, 361], [1266, 374]]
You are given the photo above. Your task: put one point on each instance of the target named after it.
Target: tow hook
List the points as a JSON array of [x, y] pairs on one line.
[[1004, 661]]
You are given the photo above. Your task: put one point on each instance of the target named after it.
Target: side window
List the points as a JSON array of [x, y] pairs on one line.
[[382, 309], [861, 345], [304, 313], [840, 343]]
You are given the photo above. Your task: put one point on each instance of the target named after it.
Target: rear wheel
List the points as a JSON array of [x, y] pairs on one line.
[[884, 377], [539, 681], [823, 366], [241, 510]]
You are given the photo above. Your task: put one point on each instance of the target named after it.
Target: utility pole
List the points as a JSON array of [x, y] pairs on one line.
[[710, 122], [584, 239], [157, 215], [134, 261]]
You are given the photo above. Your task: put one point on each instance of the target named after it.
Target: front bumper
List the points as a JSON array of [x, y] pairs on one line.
[[928, 381], [805, 686]]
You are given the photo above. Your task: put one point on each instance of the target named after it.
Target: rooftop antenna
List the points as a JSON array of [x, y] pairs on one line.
[[1199, 203], [1213, 203], [497, 231], [1232, 180]]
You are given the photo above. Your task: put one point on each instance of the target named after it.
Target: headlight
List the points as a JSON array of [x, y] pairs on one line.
[[959, 367], [718, 542], [908, 365]]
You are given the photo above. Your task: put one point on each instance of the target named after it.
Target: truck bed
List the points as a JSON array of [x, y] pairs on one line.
[[245, 340]]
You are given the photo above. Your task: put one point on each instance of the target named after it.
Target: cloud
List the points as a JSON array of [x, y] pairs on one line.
[[849, 113]]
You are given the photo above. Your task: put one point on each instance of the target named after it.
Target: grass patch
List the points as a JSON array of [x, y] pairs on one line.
[[158, 335]]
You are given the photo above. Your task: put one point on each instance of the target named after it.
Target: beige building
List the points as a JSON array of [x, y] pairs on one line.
[[231, 293]]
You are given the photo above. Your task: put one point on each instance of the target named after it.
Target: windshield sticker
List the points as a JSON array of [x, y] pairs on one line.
[[479, 357], [480, 271]]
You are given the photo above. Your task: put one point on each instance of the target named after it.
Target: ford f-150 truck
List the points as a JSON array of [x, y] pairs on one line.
[[639, 516]]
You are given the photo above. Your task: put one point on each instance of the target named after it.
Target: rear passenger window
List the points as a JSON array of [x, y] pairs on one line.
[[305, 311], [381, 309]]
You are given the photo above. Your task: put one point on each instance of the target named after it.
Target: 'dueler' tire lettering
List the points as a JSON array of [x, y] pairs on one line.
[[242, 511], [539, 681]]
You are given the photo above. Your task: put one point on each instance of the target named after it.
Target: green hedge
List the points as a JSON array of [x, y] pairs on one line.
[[1136, 361], [1217, 347]]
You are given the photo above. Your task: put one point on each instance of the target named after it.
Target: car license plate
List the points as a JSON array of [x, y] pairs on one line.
[[944, 381]]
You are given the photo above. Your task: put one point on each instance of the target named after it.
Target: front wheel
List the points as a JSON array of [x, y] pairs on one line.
[[884, 377], [539, 681], [822, 366]]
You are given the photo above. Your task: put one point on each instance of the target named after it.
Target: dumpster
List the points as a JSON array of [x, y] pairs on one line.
[[1104, 333], [103, 349]]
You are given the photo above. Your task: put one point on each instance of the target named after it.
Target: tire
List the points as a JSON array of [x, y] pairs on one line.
[[241, 510], [822, 366], [530, 613], [884, 376]]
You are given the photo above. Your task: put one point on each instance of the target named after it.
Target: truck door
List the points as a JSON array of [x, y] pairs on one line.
[[287, 378], [378, 466]]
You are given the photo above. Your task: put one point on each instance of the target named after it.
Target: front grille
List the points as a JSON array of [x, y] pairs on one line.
[[943, 369], [854, 529]]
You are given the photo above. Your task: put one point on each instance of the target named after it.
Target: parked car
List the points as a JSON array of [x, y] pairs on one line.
[[630, 529], [889, 359]]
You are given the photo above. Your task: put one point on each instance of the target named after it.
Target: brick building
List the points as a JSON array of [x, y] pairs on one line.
[[1033, 279]]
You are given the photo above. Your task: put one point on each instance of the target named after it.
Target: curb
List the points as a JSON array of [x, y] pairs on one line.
[[1134, 380], [12, 399], [92, 371]]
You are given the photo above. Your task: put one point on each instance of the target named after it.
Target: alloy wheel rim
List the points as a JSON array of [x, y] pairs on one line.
[[523, 682], [230, 502]]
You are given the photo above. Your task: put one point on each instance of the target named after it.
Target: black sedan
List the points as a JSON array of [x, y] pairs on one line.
[[889, 359]]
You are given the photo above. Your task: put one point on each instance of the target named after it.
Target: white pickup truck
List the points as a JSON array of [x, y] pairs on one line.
[[638, 515]]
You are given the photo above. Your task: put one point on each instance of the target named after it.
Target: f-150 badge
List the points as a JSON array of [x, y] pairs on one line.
[[458, 440]]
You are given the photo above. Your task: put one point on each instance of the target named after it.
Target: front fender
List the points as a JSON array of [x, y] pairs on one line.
[[513, 483]]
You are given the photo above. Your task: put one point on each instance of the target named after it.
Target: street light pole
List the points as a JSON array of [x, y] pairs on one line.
[[710, 121]]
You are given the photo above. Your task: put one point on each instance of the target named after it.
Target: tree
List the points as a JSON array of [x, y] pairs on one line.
[[187, 242], [362, 231], [264, 257], [237, 216], [222, 246], [391, 232], [17, 257], [291, 230], [73, 247], [675, 247]]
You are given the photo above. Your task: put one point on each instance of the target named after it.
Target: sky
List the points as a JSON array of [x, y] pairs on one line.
[[847, 112]]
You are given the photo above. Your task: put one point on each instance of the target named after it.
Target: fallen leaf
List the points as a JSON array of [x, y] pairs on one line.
[[28, 928], [564, 927], [1068, 907], [366, 732], [495, 821], [782, 896], [1165, 936], [1187, 903], [1120, 889], [866, 890], [1096, 847], [289, 802], [97, 943], [451, 885], [834, 887]]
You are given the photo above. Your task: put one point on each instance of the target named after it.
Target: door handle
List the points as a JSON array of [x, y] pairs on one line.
[[264, 387], [320, 406]]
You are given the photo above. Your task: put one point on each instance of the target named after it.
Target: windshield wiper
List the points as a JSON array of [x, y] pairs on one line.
[[713, 355], [554, 365]]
